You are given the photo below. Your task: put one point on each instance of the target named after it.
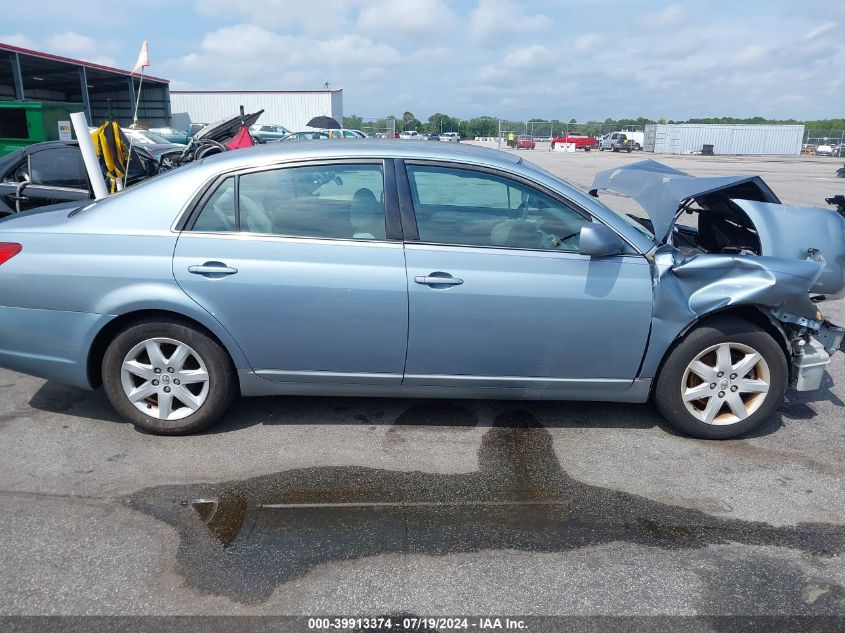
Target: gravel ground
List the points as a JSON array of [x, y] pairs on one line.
[[368, 506]]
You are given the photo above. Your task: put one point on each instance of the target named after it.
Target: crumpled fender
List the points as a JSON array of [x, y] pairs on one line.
[[686, 291]]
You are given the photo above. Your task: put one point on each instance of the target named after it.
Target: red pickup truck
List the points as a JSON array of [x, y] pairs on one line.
[[581, 142]]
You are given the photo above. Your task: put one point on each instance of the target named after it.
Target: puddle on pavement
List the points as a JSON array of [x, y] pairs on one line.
[[242, 539]]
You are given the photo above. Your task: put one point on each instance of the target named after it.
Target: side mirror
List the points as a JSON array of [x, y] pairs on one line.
[[599, 241]]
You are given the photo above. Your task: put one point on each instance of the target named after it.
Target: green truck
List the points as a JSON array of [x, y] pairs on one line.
[[23, 123]]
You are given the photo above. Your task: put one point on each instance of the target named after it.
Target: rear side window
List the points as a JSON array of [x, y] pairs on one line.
[[336, 201], [218, 214]]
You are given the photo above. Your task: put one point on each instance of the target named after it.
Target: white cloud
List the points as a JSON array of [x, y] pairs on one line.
[[670, 15], [748, 56], [535, 56], [330, 15], [497, 21], [815, 32], [587, 42], [74, 45], [18, 39], [419, 19], [248, 55]]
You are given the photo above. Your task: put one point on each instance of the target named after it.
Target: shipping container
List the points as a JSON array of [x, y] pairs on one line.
[[290, 108], [689, 138]]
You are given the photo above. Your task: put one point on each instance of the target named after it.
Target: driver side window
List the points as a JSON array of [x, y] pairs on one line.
[[474, 208]]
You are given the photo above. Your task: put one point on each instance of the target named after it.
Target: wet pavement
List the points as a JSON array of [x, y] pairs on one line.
[[374, 506], [244, 539]]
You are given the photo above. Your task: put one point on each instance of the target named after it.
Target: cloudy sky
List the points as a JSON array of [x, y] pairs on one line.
[[587, 59]]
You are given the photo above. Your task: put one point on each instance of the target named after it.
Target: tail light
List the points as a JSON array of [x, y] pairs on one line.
[[8, 250]]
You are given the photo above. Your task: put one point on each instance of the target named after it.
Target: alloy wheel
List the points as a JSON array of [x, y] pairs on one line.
[[725, 384], [165, 379]]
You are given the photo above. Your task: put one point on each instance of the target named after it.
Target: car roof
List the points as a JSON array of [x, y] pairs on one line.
[[360, 148]]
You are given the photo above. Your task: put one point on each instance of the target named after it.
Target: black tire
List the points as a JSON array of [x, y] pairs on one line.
[[601, 148], [667, 393], [615, 149], [586, 149], [222, 386]]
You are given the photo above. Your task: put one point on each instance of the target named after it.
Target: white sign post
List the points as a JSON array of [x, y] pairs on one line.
[[86, 146]]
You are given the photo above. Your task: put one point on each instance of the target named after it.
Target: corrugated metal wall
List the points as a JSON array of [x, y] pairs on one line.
[[685, 138], [291, 109]]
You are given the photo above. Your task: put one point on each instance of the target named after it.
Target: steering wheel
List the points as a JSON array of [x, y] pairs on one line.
[[557, 241]]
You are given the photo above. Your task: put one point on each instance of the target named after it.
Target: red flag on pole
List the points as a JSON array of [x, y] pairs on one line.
[[242, 139]]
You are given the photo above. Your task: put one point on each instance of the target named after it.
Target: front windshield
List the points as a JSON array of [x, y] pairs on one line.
[[624, 206], [628, 209]]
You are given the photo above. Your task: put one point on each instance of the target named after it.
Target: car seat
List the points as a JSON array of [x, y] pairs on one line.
[[367, 216]]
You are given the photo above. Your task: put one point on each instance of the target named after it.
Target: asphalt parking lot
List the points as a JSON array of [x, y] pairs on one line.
[[376, 506]]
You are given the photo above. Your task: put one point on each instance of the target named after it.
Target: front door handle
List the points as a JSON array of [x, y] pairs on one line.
[[212, 269], [438, 279]]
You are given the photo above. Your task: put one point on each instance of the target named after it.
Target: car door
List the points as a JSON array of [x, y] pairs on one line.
[[500, 298], [53, 173], [304, 269]]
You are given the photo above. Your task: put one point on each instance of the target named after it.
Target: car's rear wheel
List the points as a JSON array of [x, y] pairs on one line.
[[167, 377], [725, 378]]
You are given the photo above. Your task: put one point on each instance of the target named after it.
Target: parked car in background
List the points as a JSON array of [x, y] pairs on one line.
[[636, 139], [581, 142], [410, 135], [839, 150], [824, 150], [156, 145], [47, 173], [314, 135], [434, 136], [326, 290], [524, 141], [172, 135], [616, 142], [345, 133], [450, 137], [263, 132]]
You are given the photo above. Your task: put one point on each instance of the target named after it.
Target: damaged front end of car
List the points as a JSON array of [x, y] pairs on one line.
[[748, 253]]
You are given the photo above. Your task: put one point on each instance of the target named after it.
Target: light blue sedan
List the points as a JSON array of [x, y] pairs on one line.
[[376, 268]]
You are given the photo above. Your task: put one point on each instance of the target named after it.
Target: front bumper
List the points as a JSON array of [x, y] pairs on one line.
[[809, 367]]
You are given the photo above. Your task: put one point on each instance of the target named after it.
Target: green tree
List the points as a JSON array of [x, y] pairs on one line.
[[353, 122], [439, 122]]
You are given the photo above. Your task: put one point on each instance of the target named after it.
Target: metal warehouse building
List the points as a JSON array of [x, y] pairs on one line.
[[686, 138], [27, 75], [290, 108]]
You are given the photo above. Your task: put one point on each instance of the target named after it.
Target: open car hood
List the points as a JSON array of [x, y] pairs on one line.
[[225, 130], [662, 190], [760, 224]]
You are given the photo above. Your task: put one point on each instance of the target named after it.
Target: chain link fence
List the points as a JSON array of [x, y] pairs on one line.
[[379, 127], [824, 143]]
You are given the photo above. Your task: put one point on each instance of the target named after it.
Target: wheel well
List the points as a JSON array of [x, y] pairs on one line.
[[752, 314], [117, 325]]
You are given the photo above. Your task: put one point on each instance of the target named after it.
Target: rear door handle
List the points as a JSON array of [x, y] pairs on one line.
[[212, 269], [438, 279]]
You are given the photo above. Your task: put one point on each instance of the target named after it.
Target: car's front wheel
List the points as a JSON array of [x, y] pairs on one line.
[[725, 378], [167, 377]]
